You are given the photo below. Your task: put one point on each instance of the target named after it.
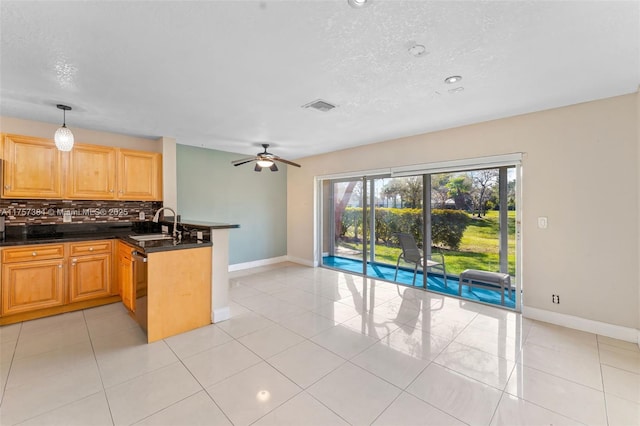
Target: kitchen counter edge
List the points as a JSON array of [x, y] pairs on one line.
[[146, 246]]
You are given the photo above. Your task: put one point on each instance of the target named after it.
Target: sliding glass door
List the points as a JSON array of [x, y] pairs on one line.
[[456, 220]]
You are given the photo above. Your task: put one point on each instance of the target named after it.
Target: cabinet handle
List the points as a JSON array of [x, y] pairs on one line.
[[111, 190], [74, 260], [34, 254], [60, 266], [7, 187], [120, 192], [90, 248]]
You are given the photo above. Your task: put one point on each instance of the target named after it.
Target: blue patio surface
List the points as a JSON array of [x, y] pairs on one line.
[[435, 282]]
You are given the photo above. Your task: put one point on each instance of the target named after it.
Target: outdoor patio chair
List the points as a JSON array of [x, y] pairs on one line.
[[412, 254]]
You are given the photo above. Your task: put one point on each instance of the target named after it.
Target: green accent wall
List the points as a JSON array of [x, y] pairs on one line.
[[210, 188]]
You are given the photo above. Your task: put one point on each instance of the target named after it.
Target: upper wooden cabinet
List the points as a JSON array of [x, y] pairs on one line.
[[35, 168], [90, 173], [32, 168], [139, 175]]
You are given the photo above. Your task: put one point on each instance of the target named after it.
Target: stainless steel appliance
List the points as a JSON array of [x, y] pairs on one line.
[[140, 284]]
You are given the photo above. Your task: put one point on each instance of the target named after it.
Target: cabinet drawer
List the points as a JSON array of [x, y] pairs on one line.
[[35, 252], [90, 247]]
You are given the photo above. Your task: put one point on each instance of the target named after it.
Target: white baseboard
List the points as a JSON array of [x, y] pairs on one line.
[[221, 314], [602, 328], [256, 263]]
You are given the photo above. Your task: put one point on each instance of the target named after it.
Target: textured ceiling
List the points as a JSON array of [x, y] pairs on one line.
[[231, 75]]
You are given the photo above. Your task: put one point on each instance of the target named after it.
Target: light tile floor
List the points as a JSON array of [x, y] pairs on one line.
[[311, 346]]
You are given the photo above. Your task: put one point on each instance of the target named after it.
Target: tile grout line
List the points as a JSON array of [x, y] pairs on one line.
[[13, 355], [604, 394], [95, 358]]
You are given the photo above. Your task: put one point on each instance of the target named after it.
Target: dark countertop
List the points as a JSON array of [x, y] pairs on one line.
[[212, 225], [165, 245], [66, 234]]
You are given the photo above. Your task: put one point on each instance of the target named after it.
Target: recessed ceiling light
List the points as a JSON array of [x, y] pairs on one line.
[[358, 3], [417, 50], [452, 79]]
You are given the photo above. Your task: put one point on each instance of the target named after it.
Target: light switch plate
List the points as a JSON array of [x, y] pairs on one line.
[[141, 215], [543, 222], [165, 229]]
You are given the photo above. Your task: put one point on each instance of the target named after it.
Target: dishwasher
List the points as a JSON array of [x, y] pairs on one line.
[[140, 284]]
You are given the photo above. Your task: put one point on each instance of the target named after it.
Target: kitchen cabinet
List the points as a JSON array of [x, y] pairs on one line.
[[90, 173], [32, 168], [32, 278], [125, 276], [139, 175], [89, 270], [37, 278]]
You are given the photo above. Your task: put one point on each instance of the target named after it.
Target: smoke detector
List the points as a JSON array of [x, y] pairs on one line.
[[320, 105]]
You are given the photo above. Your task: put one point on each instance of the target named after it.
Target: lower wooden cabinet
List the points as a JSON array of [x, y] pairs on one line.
[[36, 277], [27, 286], [89, 277], [125, 276]]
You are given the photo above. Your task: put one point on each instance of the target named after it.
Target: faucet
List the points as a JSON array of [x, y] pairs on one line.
[[175, 219]]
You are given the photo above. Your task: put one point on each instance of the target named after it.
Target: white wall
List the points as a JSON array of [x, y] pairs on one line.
[[580, 170]]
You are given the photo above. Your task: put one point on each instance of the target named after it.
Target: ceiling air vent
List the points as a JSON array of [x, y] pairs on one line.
[[320, 105]]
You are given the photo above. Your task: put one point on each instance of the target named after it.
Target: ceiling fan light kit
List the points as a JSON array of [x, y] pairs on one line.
[[264, 160], [356, 4]]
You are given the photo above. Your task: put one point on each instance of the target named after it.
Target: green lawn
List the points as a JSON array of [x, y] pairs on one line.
[[479, 248]]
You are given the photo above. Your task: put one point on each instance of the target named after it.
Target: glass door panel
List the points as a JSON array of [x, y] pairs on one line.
[[344, 232]]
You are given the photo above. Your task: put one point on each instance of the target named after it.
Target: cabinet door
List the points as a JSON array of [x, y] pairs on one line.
[[125, 276], [91, 173], [32, 168], [28, 286], [139, 175], [89, 277]]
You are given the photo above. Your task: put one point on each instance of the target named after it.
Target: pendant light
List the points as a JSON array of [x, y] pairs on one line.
[[63, 137]]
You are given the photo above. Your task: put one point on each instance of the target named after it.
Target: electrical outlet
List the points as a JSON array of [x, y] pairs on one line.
[[141, 215], [555, 298], [66, 216], [164, 229], [199, 235]]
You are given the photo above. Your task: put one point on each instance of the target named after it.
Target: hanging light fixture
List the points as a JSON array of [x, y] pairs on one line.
[[63, 137]]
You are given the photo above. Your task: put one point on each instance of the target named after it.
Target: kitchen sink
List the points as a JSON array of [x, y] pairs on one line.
[[151, 237]]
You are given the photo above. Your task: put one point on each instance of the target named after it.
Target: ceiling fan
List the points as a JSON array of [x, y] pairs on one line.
[[264, 160]]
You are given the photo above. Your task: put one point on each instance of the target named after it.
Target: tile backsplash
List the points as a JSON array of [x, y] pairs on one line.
[[32, 212]]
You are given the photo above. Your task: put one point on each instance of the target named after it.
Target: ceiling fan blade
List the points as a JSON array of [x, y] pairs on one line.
[[257, 168], [274, 168], [282, 160], [243, 161]]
